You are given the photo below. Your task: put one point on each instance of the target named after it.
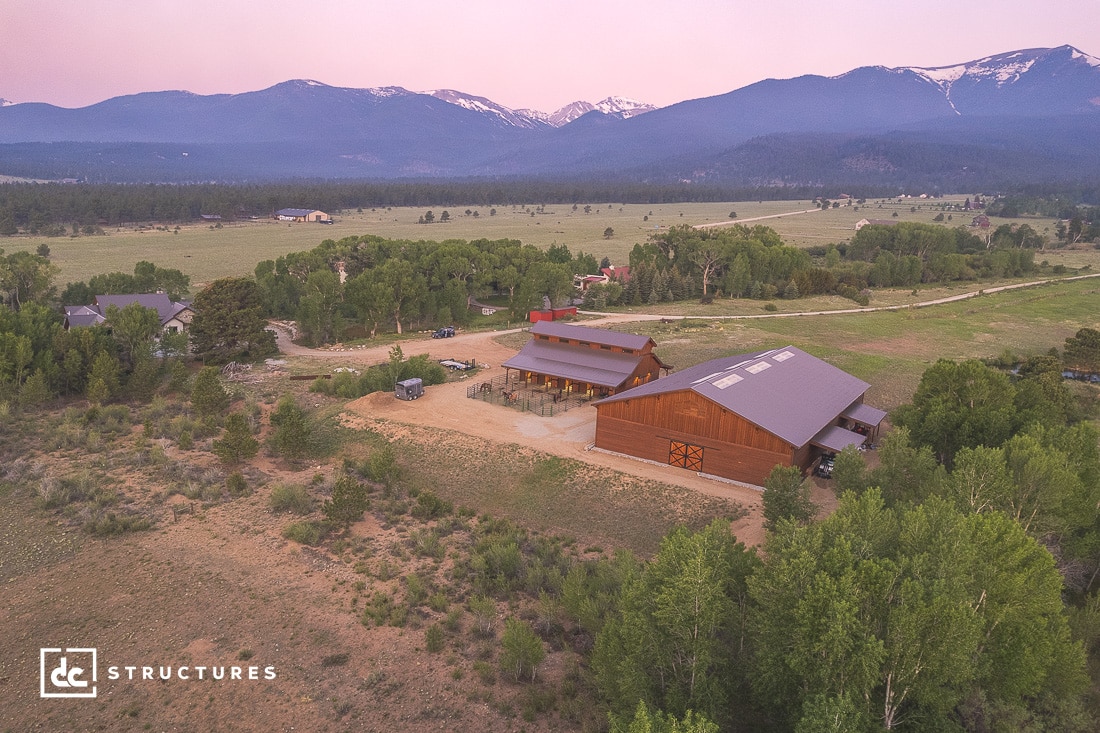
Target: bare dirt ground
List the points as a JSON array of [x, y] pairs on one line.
[[217, 585]]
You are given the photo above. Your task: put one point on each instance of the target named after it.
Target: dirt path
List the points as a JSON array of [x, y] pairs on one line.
[[570, 434], [731, 222]]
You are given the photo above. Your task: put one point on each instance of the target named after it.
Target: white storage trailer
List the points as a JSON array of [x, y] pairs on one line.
[[409, 389]]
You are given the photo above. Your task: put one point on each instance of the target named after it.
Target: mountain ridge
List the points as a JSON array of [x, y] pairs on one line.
[[306, 128]]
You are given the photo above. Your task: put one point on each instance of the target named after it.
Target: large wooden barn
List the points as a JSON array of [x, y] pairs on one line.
[[740, 416], [578, 359]]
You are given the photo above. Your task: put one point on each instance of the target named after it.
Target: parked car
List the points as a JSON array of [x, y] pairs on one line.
[[824, 468], [444, 333]]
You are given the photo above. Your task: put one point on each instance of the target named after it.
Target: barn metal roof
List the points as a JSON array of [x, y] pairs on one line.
[[785, 391], [601, 368], [592, 335], [836, 438], [864, 414], [294, 212]]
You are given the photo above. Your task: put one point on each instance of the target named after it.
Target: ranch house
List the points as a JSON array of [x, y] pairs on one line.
[[174, 317], [581, 360], [740, 416]]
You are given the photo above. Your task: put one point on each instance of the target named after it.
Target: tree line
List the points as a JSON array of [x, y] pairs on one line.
[[43, 208]]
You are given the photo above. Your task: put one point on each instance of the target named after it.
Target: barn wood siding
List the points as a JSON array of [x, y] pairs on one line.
[[736, 462], [691, 414], [732, 446]]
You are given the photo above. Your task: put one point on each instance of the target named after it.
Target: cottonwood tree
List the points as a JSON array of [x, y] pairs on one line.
[[521, 650], [676, 641], [786, 497], [959, 405], [887, 617]]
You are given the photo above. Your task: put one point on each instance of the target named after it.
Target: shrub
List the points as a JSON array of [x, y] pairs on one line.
[[433, 639], [108, 524], [236, 485], [291, 498], [307, 533], [429, 506]]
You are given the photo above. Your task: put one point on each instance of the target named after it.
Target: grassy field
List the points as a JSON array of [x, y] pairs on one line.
[[891, 350], [207, 253]]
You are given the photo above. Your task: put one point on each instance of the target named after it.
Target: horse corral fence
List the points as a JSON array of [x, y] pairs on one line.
[[519, 395]]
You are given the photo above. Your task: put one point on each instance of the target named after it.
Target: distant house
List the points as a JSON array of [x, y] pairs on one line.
[[622, 274], [981, 221], [174, 316], [876, 222], [584, 282], [210, 217], [740, 416], [302, 215], [578, 359]]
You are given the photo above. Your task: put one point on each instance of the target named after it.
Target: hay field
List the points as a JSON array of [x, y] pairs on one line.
[[207, 253]]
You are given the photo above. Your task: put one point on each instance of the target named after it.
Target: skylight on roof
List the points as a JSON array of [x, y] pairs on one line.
[[783, 356], [706, 378], [758, 367], [728, 381]]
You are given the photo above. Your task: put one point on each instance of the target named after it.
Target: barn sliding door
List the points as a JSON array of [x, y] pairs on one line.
[[685, 455]]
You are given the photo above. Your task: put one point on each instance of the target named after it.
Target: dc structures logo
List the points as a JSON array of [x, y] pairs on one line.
[[67, 672]]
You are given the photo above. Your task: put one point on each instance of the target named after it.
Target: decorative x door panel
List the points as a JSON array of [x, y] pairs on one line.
[[685, 455]]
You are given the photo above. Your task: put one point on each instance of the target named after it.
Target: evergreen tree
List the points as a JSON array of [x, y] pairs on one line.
[[236, 443], [291, 433], [208, 397]]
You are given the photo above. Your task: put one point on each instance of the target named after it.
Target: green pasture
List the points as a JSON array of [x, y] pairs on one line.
[[890, 350], [206, 253]]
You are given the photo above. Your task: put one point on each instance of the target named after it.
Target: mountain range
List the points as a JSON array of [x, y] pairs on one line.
[[1028, 115]]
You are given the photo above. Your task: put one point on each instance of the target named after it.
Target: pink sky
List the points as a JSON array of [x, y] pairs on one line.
[[520, 53]]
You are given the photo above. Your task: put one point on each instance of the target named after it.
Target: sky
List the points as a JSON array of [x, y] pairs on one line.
[[520, 53]]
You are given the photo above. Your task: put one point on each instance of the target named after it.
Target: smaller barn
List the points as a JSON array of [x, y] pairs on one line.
[[579, 359], [302, 215], [740, 416]]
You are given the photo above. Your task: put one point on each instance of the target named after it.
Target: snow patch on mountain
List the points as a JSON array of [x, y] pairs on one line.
[[512, 117], [1003, 69], [533, 119], [621, 106], [5, 103]]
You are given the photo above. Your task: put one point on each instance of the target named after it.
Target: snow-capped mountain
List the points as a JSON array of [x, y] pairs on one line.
[[1018, 112], [533, 119], [619, 106], [1043, 73], [5, 103]]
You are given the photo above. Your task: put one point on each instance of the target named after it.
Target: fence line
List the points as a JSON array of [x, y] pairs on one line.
[[520, 396]]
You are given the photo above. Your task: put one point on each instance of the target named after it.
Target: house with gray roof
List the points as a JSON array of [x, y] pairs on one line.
[[740, 416], [174, 316], [578, 359]]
